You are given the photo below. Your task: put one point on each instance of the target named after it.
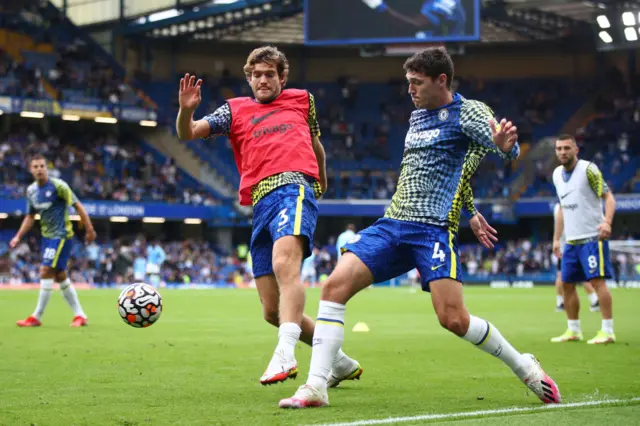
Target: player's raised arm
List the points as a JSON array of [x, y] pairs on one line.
[[478, 123], [601, 189], [189, 97], [318, 149]]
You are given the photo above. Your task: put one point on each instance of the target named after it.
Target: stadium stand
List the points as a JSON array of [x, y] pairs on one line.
[[363, 125]]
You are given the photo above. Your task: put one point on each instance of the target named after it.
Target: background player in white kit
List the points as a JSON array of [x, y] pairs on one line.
[[345, 237], [580, 188], [593, 296]]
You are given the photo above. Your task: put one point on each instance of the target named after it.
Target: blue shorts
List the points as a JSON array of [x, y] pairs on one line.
[[287, 210], [390, 248], [584, 262], [56, 252]]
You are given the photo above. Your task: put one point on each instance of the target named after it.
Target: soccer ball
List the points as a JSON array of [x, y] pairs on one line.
[[140, 305]]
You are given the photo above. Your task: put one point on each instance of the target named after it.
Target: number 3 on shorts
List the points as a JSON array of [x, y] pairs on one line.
[[437, 253], [285, 218]]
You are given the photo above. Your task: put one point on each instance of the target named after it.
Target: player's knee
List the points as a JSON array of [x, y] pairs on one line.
[[335, 290], [455, 322], [286, 262], [46, 273], [271, 315], [60, 276]]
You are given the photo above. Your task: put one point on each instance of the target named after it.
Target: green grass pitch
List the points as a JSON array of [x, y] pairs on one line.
[[200, 363]]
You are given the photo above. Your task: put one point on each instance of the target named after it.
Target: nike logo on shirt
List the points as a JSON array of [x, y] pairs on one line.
[[562, 197], [256, 120]]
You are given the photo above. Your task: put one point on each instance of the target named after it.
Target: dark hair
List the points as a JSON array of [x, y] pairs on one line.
[[431, 62], [36, 156], [267, 55], [565, 137]]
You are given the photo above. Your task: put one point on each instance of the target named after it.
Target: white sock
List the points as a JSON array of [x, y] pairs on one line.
[[46, 287], [593, 298], [559, 300], [70, 295], [607, 326], [487, 338], [288, 335], [327, 340], [574, 325]]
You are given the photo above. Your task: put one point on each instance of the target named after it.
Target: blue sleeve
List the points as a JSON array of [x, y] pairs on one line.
[[219, 121], [474, 122]]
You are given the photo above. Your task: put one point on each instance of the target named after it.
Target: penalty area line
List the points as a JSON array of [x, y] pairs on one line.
[[481, 413]]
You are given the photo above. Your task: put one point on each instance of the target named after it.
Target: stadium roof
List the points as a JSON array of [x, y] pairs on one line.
[[281, 21]]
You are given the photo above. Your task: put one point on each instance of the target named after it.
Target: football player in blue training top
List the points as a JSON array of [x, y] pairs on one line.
[[51, 198], [448, 137], [449, 15]]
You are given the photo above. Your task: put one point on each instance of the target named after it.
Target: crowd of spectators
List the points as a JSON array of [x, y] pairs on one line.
[[97, 166]]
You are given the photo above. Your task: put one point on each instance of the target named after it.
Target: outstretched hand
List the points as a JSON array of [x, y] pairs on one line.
[[504, 134], [483, 231], [189, 96]]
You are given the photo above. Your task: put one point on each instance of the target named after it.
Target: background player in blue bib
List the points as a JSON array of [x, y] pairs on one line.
[[447, 138], [51, 198]]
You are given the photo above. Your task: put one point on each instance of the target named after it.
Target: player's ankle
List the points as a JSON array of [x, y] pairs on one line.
[[318, 382]]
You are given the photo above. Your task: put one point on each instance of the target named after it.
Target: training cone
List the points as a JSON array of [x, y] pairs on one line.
[[361, 327]]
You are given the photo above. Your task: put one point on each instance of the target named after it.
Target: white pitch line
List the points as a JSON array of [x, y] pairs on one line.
[[480, 413]]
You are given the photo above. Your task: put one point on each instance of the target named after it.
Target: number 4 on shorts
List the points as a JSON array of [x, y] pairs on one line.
[[437, 253]]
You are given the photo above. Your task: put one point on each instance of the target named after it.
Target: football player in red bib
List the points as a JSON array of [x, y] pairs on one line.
[[275, 140]]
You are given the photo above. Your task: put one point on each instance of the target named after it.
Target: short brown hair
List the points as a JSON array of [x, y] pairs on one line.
[[432, 62], [268, 55], [565, 137], [35, 157]]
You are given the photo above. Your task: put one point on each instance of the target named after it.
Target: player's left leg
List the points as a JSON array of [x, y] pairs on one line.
[[71, 296], [594, 304], [436, 252], [446, 295]]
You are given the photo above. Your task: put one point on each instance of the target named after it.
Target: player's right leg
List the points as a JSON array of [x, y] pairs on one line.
[[572, 274], [51, 250], [343, 367], [373, 256]]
